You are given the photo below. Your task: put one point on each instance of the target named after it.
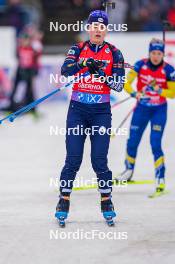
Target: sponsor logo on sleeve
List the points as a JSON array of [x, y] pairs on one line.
[[71, 52]]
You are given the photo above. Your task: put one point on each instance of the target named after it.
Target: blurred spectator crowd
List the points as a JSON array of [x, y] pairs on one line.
[[19, 14], [140, 15]]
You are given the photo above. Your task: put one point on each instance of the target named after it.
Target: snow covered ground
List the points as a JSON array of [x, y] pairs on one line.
[[31, 159]]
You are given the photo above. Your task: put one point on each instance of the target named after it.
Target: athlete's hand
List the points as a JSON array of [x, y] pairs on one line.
[[153, 87], [157, 89], [137, 95], [140, 96], [93, 65], [82, 63]]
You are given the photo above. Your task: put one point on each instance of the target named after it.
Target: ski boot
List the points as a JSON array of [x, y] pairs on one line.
[[62, 209], [127, 174], [160, 188], [107, 209]]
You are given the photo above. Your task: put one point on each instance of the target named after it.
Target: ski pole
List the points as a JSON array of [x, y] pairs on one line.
[[126, 118], [28, 107], [123, 121], [121, 102]]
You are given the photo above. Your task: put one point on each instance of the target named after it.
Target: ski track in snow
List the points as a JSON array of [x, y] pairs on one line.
[[30, 158]]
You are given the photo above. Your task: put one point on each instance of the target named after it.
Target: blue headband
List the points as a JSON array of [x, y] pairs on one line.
[[98, 16], [157, 46]]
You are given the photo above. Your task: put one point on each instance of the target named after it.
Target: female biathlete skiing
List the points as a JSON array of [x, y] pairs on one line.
[[155, 83], [90, 107]]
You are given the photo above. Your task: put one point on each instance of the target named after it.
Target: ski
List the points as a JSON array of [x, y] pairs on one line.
[[95, 186], [158, 194], [130, 182]]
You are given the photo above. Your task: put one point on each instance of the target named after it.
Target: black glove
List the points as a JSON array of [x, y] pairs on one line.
[[93, 65]]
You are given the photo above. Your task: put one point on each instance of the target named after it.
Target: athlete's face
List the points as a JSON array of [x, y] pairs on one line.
[[97, 33], [156, 56]]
